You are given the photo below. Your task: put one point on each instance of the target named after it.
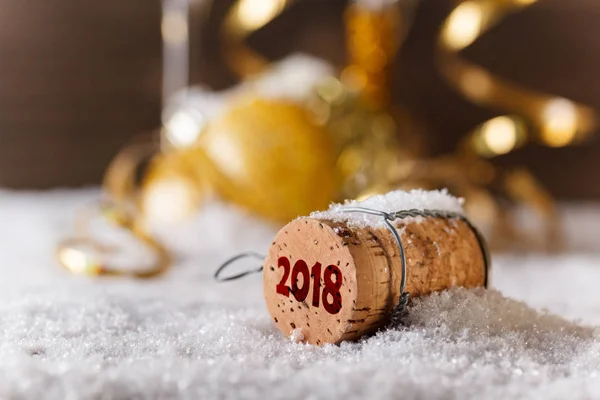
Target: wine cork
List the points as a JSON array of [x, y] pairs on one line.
[[334, 280]]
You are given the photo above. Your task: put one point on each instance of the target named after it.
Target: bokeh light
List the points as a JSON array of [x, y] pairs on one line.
[[253, 14], [463, 26], [559, 122]]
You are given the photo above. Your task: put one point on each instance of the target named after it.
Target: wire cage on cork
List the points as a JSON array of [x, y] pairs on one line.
[[347, 272]]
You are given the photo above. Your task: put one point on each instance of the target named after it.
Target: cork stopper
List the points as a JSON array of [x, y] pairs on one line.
[[334, 280]]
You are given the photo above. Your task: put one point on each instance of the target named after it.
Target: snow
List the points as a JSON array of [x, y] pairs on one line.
[[397, 200], [183, 336], [293, 78]]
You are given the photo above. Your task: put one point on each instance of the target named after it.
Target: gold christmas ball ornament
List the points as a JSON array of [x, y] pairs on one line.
[[175, 185], [268, 156]]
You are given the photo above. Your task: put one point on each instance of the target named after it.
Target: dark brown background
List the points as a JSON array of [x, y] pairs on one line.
[[78, 79]]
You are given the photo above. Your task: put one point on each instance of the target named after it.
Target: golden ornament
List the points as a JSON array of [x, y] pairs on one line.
[[175, 185], [373, 39], [552, 120], [269, 157], [124, 176], [366, 140], [90, 254]]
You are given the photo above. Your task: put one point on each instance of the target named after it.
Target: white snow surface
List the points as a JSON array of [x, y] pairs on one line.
[[397, 200], [183, 336]]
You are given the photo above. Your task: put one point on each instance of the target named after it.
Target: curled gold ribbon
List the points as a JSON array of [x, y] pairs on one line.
[[83, 254], [556, 121], [242, 19]]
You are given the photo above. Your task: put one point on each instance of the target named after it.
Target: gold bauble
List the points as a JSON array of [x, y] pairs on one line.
[[175, 185], [269, 157]]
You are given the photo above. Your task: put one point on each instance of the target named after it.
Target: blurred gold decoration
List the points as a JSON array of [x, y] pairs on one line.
[[557, 121], [549, 120], [495, 137], [265, 155], [374, 34], [356, 108], [159, 185], [365, 139], [174, 185], [269, 157], [182, 127], [143, 184], [124, 175], [85, 254], [244, 18]]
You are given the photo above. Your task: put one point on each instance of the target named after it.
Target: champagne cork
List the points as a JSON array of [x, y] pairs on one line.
[[327, 280]]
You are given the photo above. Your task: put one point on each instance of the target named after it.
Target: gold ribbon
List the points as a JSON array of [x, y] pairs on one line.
[[84, 254], [242, 19], [556, 121]]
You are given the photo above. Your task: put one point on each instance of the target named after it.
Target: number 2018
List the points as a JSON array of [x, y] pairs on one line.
[[330, 296]]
